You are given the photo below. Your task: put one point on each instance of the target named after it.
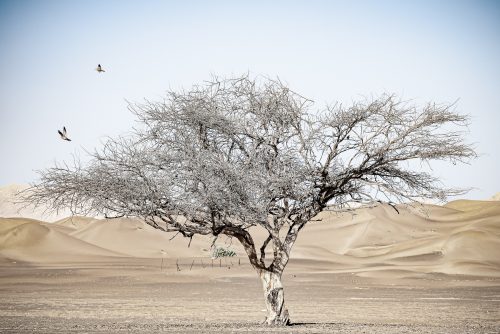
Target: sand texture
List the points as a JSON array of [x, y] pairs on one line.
[[426, 269]]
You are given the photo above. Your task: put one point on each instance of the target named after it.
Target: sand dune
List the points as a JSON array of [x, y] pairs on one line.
[[135, 238], [29, 240], [11, 206], [73, 223], [477, 207], [439, 239], [461, 237]]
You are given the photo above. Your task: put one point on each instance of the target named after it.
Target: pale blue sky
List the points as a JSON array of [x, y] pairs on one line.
[[326, 50]]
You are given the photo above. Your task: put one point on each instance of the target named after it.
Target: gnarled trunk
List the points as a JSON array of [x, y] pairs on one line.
[[277, 314]]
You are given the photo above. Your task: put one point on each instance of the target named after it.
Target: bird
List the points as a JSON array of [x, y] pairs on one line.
[[99, 68], [63, 134]]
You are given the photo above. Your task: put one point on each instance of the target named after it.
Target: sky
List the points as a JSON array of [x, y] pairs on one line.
[[328, 51]]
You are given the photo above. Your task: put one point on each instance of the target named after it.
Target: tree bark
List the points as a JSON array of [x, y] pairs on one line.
[[277, 314]]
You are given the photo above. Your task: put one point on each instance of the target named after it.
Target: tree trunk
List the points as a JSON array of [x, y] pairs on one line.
[[277, 314]]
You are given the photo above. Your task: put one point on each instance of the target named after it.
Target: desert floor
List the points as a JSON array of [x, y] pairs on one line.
[[135, 295], [418, 269]]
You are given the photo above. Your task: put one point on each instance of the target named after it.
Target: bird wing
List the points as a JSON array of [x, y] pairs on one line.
[[60, 133], [64, 130]]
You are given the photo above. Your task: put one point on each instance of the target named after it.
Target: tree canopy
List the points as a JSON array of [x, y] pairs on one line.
[[235, 153]]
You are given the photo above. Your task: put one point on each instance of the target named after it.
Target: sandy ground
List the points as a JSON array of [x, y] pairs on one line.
[[134, 296], [424, 269]]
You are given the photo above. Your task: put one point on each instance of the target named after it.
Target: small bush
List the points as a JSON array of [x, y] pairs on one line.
[[222, 252]]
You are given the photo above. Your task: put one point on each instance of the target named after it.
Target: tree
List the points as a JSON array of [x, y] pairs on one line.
[[236, 153]]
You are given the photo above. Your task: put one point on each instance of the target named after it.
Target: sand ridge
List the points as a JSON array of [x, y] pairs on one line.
[[461, 237], [33, 241]]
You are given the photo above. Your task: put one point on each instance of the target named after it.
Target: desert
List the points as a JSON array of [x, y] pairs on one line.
[[249, 166], [426, 269]]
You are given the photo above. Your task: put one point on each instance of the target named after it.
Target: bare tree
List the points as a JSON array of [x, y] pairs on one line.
[[236, 153]]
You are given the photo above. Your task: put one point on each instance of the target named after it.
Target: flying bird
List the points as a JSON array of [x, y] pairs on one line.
[[99, 68], [63, 134]]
